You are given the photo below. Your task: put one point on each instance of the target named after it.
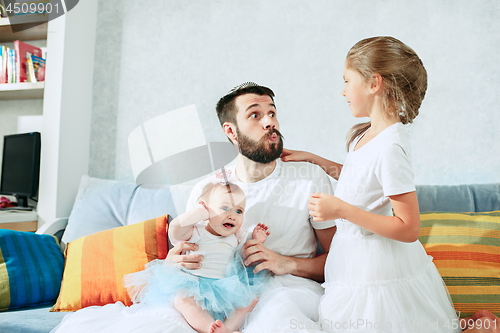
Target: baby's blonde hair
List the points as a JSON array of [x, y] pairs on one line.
[[210, 188], [404, 78]]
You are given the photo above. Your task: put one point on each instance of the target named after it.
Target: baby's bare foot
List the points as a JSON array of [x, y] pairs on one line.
[[217, 327], [260, 232]]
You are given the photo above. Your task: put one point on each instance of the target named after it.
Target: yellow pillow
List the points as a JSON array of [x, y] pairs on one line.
[[95, 264], [466, 250]]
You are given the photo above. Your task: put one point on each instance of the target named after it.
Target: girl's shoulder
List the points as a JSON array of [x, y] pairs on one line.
[[395, 134], [396, 146]]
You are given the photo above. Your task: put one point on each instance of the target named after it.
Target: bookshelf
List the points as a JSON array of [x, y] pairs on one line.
[[34, 33], [25, 90], [19, 91], [67, 107]]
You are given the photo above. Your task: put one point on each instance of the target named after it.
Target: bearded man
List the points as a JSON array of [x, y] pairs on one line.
[[277, 195]]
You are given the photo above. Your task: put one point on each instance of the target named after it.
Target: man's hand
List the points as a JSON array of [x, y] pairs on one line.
[[255, 253], [192, 261], [324, 207]]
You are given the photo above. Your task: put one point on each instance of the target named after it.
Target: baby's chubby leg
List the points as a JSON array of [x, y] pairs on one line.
[[234, 321], [219, 327], [199, 319], [260, 232]]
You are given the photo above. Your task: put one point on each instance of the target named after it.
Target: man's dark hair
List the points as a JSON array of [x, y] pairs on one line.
[[226, 108]]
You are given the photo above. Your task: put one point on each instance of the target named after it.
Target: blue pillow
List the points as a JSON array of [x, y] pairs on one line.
[[100, 204], [103, 204], [31, 269]]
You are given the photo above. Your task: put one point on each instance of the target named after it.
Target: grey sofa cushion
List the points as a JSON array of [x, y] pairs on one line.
[[459, 198], [32, 319]]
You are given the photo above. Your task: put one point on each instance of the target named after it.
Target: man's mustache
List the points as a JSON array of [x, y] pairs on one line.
[[271, 132]]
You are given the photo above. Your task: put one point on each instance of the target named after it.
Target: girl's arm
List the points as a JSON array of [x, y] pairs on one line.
[[404, 227], [181, 228], [331, 168]]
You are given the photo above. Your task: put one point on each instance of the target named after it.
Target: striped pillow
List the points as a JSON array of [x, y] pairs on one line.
[[466, 251], [31, 268], [95, 264]]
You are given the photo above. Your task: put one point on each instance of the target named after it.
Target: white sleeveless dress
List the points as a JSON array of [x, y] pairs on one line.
[[376, 284]]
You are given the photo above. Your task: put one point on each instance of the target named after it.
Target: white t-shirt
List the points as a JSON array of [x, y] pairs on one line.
[[217, 251], [377, 170], [280, 201]]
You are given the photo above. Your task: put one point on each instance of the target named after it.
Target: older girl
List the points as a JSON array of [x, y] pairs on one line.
[[378, 276]]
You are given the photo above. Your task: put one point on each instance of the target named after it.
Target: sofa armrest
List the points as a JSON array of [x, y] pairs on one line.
[[54, 228]]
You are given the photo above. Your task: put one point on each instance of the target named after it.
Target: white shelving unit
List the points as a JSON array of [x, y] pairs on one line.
[[33, 33], [67, 110], [12, 91], [17, 91], [67, 104]]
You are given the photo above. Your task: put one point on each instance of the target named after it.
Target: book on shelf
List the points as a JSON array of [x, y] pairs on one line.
[[24, 63], [23, 52], [8, 68], [3, 63], [37, 69], [11, 66]]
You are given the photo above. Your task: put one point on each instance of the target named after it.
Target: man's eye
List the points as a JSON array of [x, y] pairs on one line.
[[254, 115], [272, 114]]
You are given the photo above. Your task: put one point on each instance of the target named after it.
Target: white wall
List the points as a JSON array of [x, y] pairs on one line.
[[161, 55]]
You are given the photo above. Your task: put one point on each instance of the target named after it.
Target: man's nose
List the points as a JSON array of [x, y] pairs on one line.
[[269, 122]]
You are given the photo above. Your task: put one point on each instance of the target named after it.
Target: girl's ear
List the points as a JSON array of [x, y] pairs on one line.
[[230, 130], [375, 83]]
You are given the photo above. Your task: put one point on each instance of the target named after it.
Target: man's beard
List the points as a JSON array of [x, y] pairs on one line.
[[262, 151]]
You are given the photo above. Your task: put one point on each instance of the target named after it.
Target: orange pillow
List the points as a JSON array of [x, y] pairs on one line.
[[95, 264]]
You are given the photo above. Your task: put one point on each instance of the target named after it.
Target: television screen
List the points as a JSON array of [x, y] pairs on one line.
[[21, 166]]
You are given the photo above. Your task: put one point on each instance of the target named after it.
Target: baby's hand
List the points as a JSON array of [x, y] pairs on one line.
[[289, 155], [260, 232]]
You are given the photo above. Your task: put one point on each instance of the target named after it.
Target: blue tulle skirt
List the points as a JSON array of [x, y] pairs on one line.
[[162, 281]]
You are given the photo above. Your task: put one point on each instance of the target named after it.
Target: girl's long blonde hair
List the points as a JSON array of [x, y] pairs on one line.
[[404, 78]]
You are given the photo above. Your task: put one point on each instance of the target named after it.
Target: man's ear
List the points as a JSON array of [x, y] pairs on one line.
[[230, 130], [375, 83]]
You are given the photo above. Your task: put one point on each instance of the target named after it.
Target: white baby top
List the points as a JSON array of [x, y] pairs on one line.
[[217, 251], [377, 170]]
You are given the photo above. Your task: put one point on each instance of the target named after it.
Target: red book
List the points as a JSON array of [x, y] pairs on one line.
[[23, 52]]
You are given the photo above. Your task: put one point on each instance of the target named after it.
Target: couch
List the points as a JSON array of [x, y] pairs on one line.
[[465, 246]]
